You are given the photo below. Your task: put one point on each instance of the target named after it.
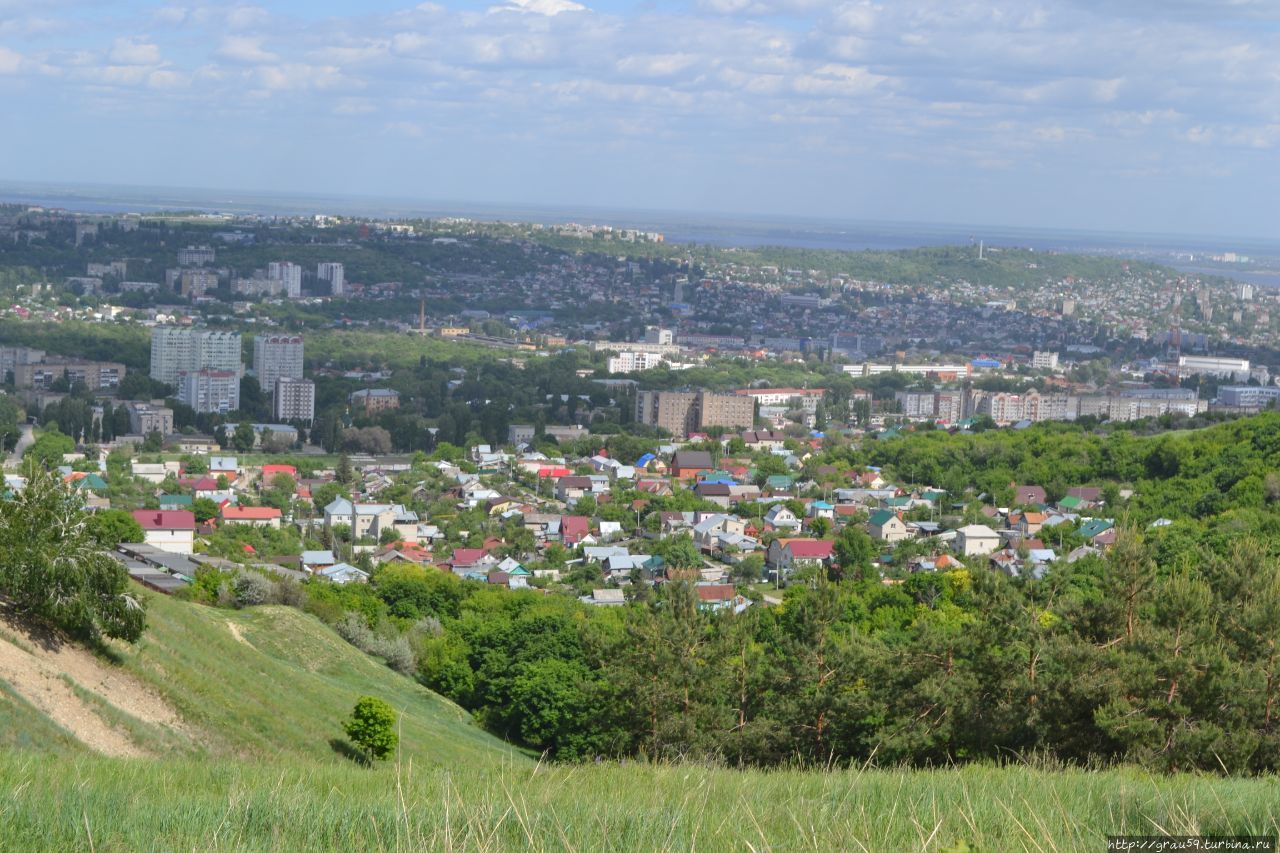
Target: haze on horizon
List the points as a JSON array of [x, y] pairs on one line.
[[1154, 117]]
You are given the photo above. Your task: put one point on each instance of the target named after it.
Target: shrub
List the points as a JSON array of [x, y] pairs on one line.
[[251, 588], [372, 728]]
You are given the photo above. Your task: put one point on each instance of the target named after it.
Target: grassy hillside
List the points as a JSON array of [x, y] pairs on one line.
[[117, 804], [270, 683], [261, 694]]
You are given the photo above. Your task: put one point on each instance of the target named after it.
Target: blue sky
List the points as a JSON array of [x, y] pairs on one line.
[[1145, 115]]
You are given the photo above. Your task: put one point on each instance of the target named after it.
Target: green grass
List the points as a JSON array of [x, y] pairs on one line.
[[258, 771], [22, 726], [69, 803], [284, 689]]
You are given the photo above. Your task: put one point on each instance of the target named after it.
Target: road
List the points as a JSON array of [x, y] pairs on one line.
[[27, 438]]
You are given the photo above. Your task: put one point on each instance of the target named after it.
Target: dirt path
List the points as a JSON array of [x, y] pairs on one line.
[[42, 671]]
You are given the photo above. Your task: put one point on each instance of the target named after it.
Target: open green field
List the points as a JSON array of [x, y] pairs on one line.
[[259, 765]]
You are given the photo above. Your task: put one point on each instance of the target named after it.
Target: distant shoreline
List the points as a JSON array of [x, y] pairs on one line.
[[726, 230]]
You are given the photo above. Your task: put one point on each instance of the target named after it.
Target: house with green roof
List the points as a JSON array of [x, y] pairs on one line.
[[1071, 503], [887, 526], [1096, 527]]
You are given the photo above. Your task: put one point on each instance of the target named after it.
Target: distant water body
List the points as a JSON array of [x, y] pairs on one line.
[[678, 227]]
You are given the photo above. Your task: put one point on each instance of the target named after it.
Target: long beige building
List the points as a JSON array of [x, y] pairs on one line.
[[683, 412]]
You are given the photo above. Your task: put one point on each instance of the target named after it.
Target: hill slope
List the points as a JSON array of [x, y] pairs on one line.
[[219, 727], [267, 683]]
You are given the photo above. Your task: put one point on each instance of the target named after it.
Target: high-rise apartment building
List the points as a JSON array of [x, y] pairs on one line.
[[275, 356], [290, 274], [683, 412], [335, 274], [210, 390], [176, 350], [293, 399]]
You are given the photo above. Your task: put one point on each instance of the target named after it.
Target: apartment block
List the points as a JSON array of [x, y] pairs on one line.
[[276, 356], [176, 350], [335, 274], [145, 418], [195, 256], [684, 412], [375, 399], [210, 390], [293, 399], [290, 274], [94, 375], [631, 362]]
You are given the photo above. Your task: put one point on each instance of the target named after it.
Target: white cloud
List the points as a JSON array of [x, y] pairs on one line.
[[549, 8], [246, 49], [164, 79], [410, 129], [134, 51], [10, 61], [297, 76], [656, 64]]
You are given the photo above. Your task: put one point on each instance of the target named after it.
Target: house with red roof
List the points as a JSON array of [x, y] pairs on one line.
[[573, 529], [786, 555], [270, 472], [471, 560], [717, 596], [258, 516], [172, 530]]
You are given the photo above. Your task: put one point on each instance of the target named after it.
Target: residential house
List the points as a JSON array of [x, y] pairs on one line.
[[574, 529], [605, 598], [780, 517], [822, 509], [887, 526], [720, 494], [471, 561], [1027, 495], [688, 464], [718, 596], [1029, 524], [570, 489], [785, 555], [312, 561], [258, 516], [343, 573], [976, 540], [764, 439], [169, 530]]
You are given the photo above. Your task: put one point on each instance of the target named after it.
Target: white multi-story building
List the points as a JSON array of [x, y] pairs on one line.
[[290, 274], [1233, 368], [195, 256], [630, 362], [335, 274], [210, 390], [175, 351], [293, 399], [658, 335], [1248, 396], [275, 356], [1044, 360]]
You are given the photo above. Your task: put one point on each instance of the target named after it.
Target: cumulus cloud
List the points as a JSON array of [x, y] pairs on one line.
[[998, 83], [134, 51], [10, 61], [549, 8], [246, 49]]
